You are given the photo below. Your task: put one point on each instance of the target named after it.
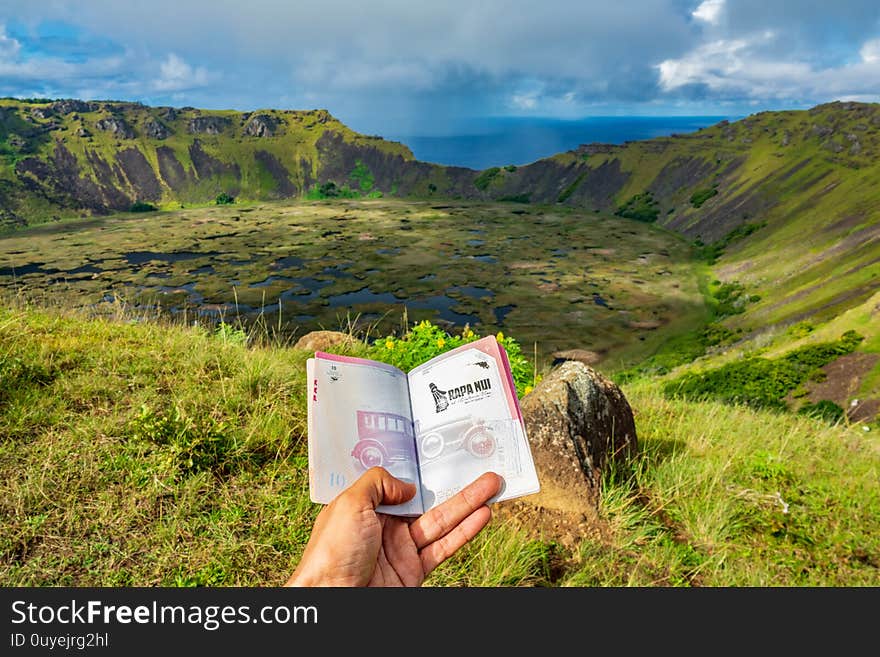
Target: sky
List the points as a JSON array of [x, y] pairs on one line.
[[414, 67]]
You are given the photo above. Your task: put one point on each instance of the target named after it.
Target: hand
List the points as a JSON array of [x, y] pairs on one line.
[[352, 545]]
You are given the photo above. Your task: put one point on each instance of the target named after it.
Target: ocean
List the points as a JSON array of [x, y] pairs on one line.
[[503, 141]]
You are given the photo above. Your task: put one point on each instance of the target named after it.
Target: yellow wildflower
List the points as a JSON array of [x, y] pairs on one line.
[[440, 342], [500, 336], [389, 344], [468, 333], [528, 390]]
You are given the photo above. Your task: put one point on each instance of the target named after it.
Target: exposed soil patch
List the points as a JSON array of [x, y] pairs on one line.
[[843, 379], [566, 527]]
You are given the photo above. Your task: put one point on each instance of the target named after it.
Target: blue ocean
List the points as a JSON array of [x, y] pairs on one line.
[[502, 141]]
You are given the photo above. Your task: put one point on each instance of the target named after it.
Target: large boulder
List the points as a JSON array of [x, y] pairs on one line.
[[323, 340], [579, 424]]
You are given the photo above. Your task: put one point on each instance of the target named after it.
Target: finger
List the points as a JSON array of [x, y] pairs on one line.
[[437, 522], [439, 551], [378, 486]]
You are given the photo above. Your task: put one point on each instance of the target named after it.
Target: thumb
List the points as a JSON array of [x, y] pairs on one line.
[[378, 486]]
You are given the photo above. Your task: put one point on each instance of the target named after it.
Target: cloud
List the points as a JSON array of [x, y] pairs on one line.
[[870, 51], [400, 60], [176, 75], [739, 70], [9, 47], [526, 101], [709, 11]]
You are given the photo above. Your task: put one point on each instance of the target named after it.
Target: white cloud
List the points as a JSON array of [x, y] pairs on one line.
[[742, 69], [9, 47], [710, 64], [870, 51], [175, 75], [709, 11], [526, 101]]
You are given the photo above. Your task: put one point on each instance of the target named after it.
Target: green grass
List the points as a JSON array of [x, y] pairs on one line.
[[138, 452]]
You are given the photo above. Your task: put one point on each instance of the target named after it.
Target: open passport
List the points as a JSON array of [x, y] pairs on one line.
[[439, 426]]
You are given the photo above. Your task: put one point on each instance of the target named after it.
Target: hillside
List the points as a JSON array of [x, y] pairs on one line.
[[138, 453], [74, 158]]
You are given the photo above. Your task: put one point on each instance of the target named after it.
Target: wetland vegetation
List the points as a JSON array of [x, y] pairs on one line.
[[557, 278]]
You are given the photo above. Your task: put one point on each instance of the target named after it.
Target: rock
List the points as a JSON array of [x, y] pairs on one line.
[[42, 112], [167, 113], [69, 106], [323, 340], [155, 129], [584, 356], [262, 125], [208, 125], [578, 424], [595, 148], [116, 127]]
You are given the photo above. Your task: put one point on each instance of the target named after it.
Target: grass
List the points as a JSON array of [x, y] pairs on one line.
[[138, 451]]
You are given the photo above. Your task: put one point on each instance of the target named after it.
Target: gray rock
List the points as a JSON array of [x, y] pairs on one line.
[[116, 126], [208, 125], [261, 125], [42, 112], [69, 106], [155, 129], [167, 113]]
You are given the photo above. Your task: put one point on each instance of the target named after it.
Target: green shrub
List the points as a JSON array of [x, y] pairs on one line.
[[729, 299], [641, 207], [224, 199], [800, 330], [229, 334], [362, 176], [823, 410], [568, 191], [141, 206], [702, 195], [329, 189], [191, 444], [510, 168], [425, 340], [525, 197], [711, 252], [485, 179], [762, 382]]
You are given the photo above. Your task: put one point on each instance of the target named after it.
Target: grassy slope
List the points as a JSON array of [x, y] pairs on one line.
[[810, 176], [138, 453]]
